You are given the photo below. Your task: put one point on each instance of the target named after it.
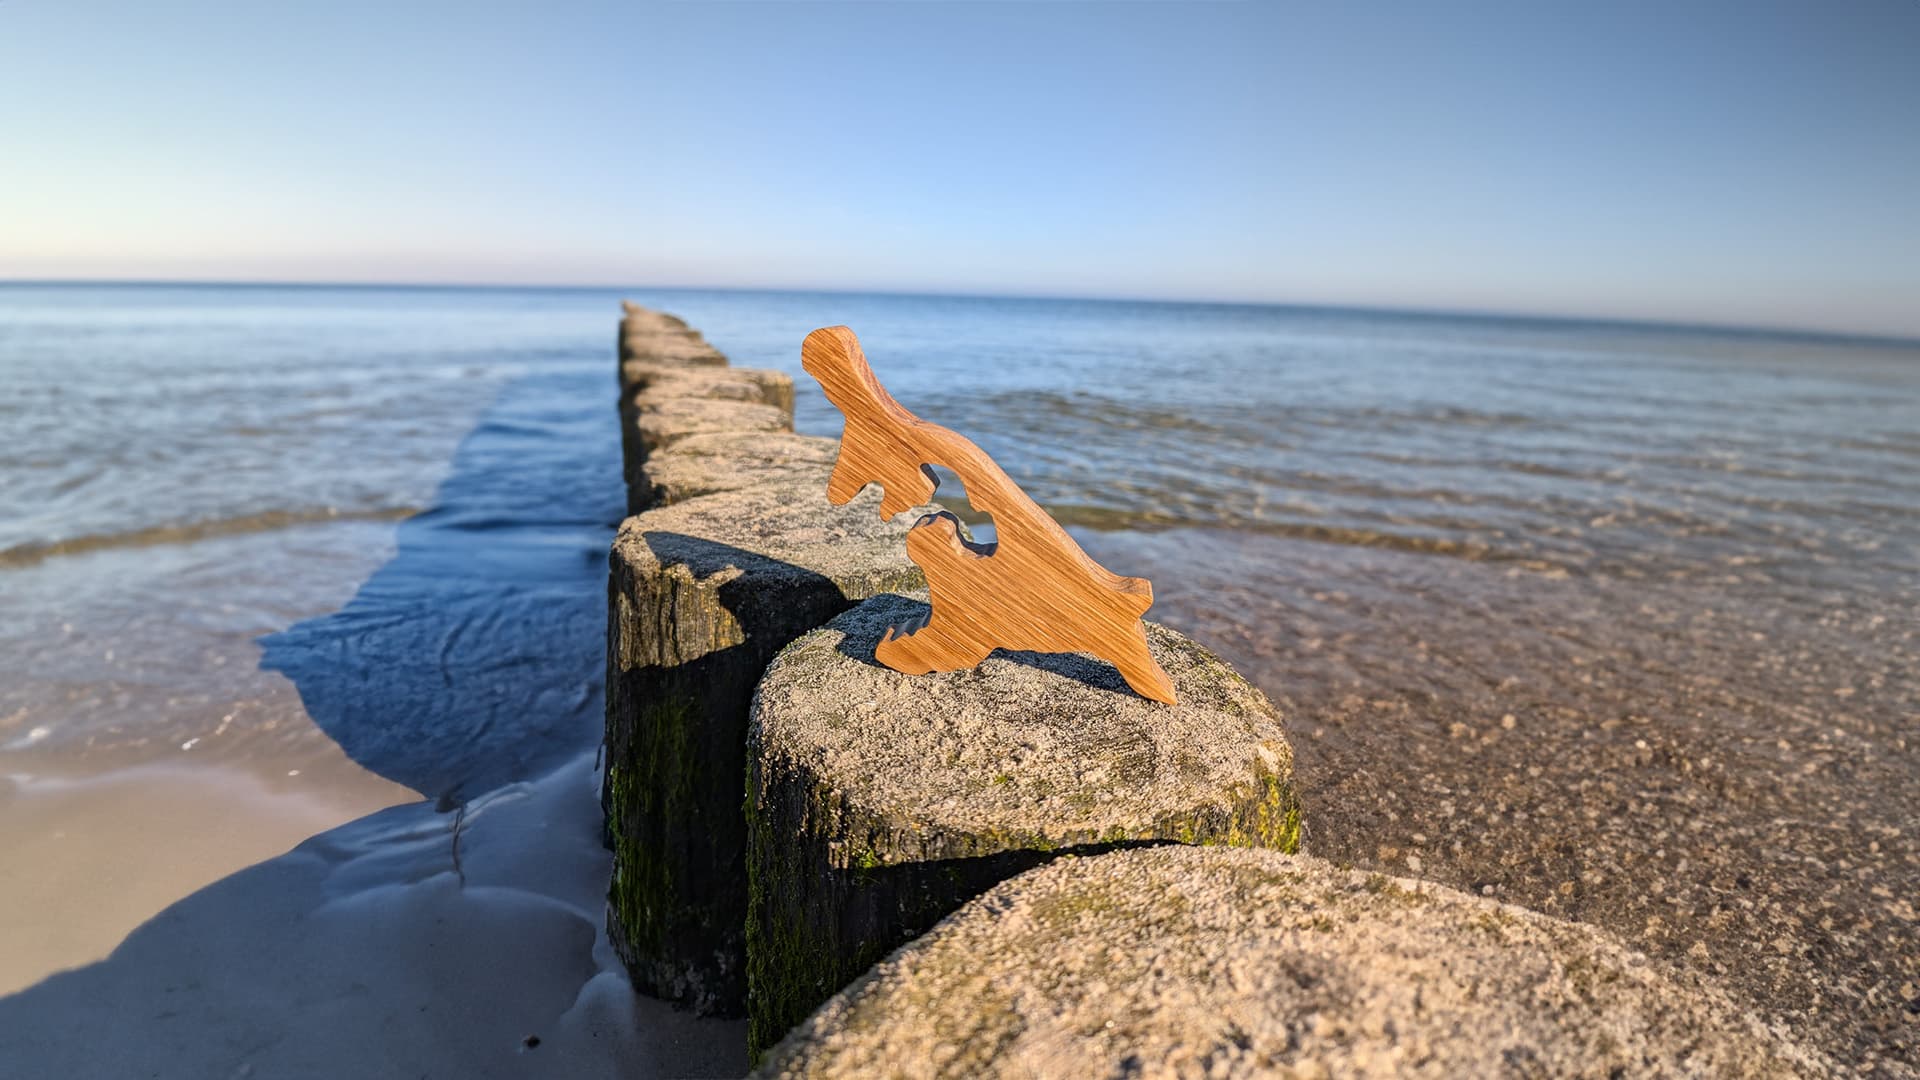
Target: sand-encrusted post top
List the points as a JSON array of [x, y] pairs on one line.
[[656, 335], [1180, 961], [878, 802], [673, 385]]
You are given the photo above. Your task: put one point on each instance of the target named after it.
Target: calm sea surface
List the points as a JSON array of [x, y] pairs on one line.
[[200, 460], [1512, 580], [137, 414]]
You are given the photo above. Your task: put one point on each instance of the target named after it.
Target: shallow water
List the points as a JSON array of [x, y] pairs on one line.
[[1616, 622], [245, 524]]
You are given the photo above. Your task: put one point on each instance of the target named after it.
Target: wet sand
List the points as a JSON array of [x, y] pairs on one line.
[[89, 860], [1725, 773], [409, 942], [144, 753], [198, 739], [201, 878]]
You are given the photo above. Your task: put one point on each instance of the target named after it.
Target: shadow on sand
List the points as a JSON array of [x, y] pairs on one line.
[[415, 942], [474, 657]]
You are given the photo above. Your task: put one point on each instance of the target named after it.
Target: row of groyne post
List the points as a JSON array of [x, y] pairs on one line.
[[1000, 871]]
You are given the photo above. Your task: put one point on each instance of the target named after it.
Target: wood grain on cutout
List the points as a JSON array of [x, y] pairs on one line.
[[1033, 589]]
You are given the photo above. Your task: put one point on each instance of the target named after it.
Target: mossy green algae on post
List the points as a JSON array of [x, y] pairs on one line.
[[880, 802], [701, 595]]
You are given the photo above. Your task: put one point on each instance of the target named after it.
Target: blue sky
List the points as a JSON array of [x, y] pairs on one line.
[[1719, 162]]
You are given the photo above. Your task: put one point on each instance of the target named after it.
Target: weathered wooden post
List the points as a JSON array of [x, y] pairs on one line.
[[731, 555], [1181, 961], [879, 802]]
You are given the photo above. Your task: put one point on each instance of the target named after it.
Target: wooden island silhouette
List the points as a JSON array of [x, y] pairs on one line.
[[1032, 590]]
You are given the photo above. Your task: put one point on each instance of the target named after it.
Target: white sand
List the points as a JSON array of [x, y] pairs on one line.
[[364, 952]]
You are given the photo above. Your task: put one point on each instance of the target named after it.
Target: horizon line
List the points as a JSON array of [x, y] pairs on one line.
[[1619, 321]]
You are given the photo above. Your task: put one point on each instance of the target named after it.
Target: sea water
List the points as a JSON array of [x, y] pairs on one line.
[[1551, 608]]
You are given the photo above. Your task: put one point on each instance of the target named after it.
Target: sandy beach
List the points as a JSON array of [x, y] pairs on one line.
[[90, 860], [393, 945]]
